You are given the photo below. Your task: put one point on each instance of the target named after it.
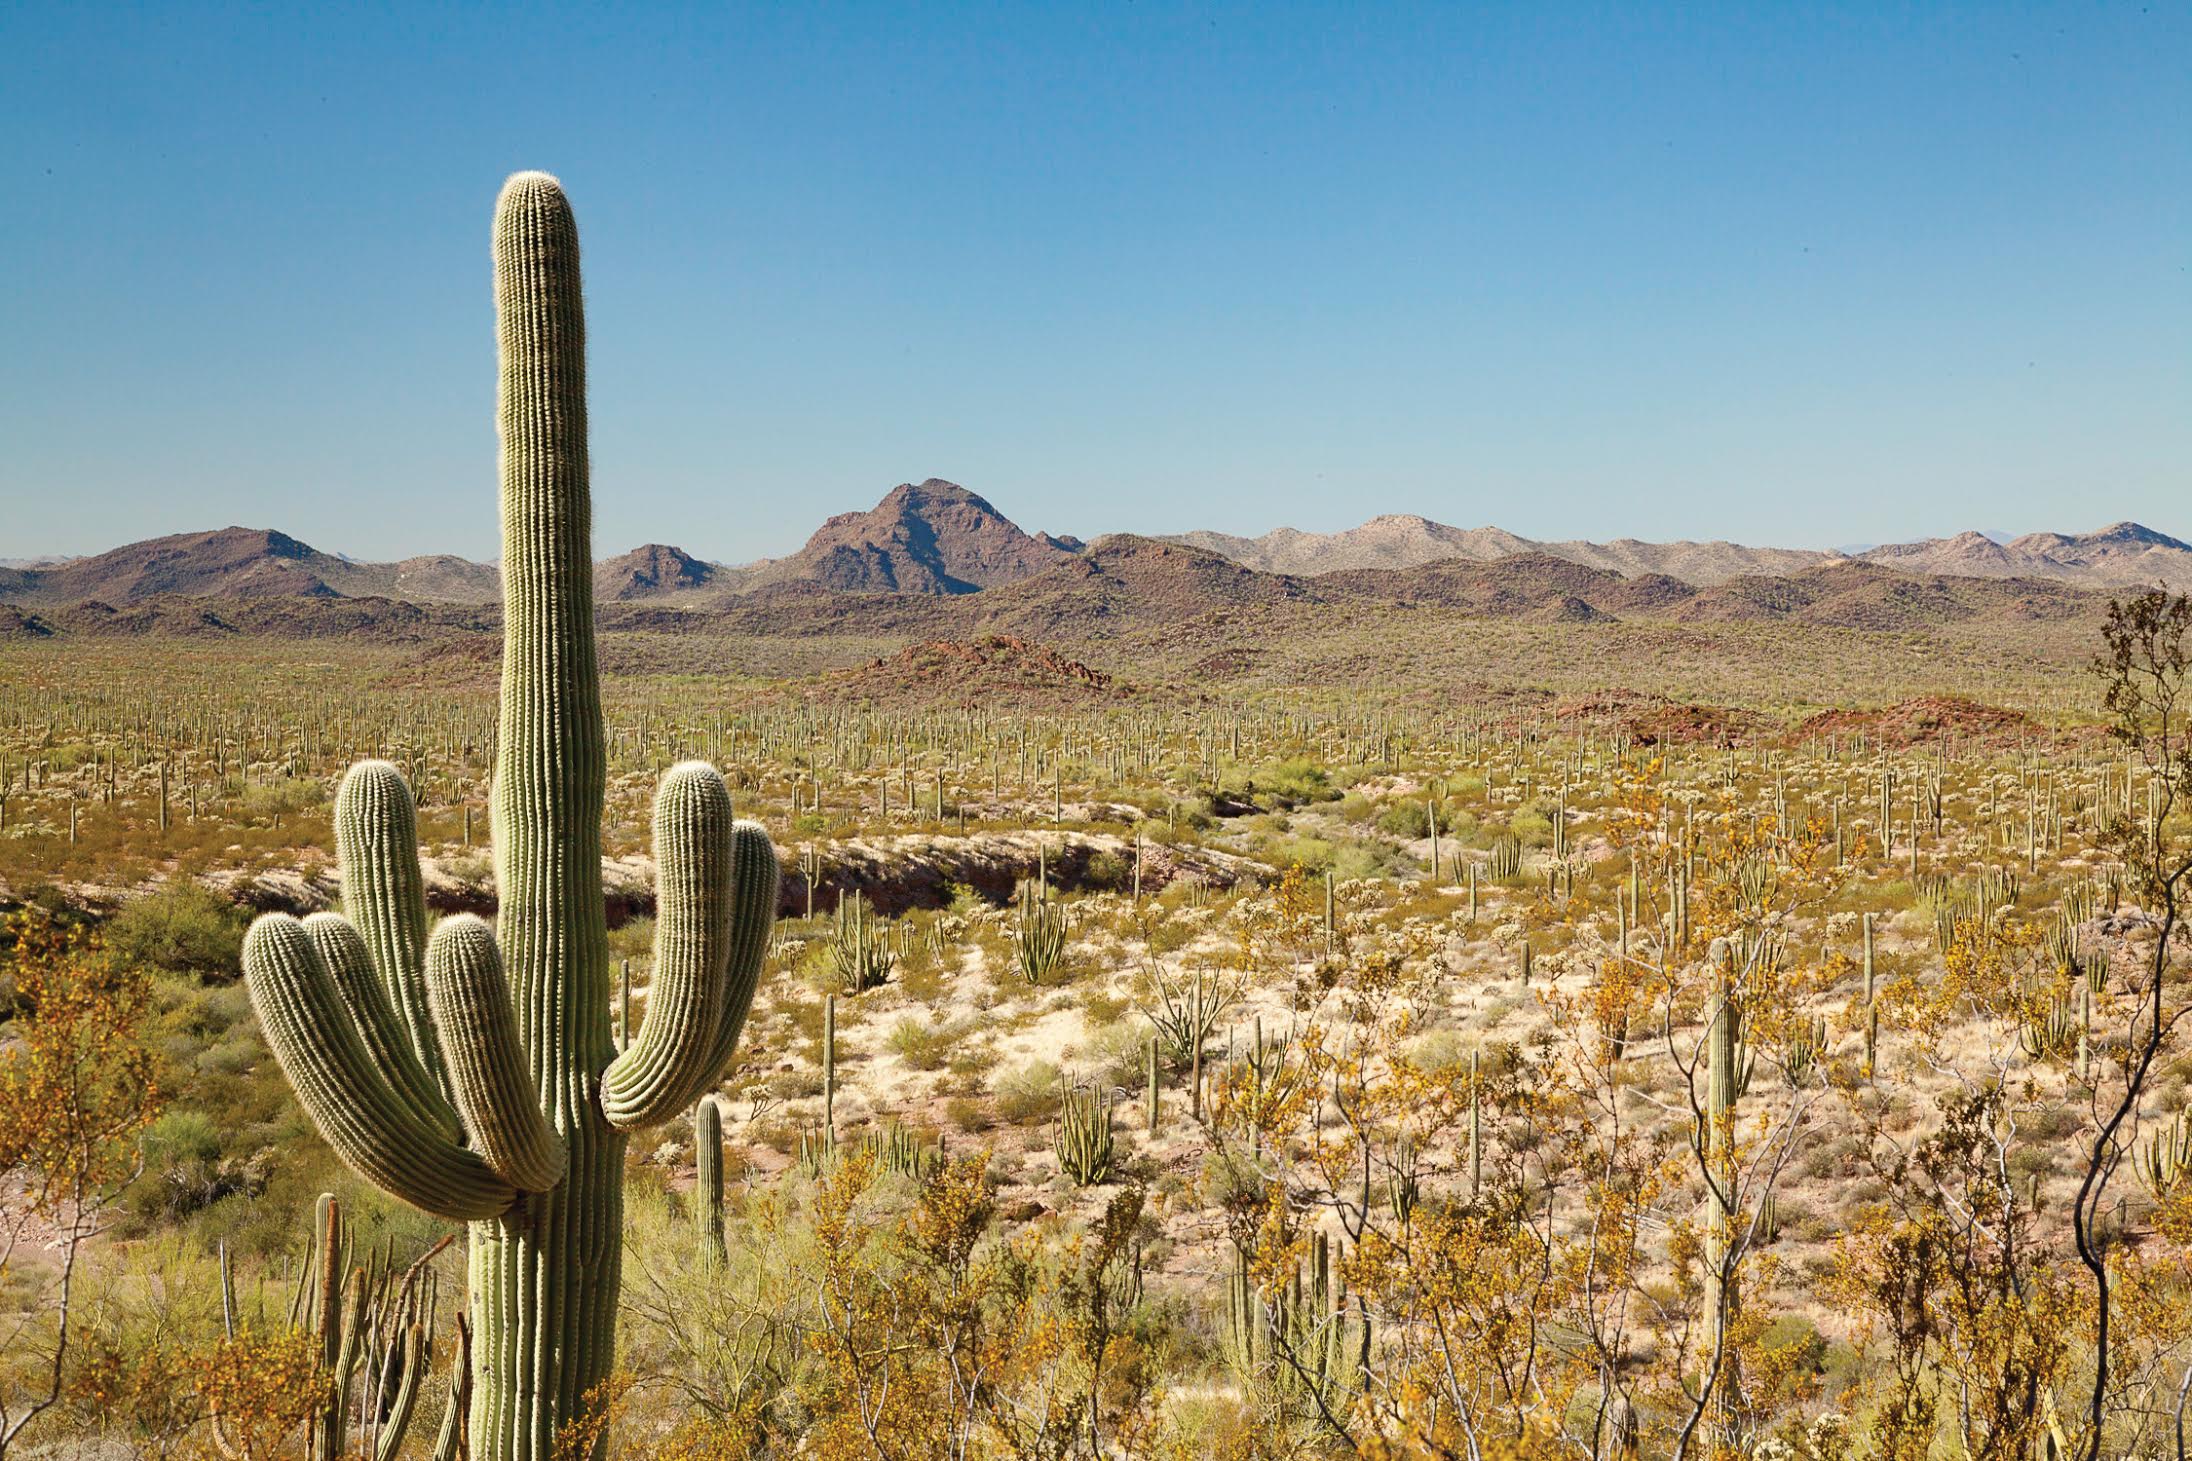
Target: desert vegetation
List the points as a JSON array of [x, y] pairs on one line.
[[1255, 1078], [1629, 1056]]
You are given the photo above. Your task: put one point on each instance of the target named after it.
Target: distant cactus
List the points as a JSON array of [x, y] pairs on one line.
[[894, 1148], [1723, 1086], [1085, 1150], [860, 948], [2048, 1030], [1039, 935], [473, 1074], [1305, 1341], [1505, 861], [708, 1176], [1187, 1010], [2167, 1156], [817, 1150]]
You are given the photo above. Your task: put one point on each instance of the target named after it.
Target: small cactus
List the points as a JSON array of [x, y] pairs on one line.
[[1085, 1149], [860, 950], [1039, 935], [1505, 860], [708, 1177], [2167, 1156]]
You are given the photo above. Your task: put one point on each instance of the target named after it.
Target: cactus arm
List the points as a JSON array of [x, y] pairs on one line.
[[389, 1444], [386, 1041], [384, 894], [487, 1069], [755, 874], [652, 1080], [327, 1064]]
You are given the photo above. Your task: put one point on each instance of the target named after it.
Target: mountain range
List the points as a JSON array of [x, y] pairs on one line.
[[2120, 555], [938, 539]]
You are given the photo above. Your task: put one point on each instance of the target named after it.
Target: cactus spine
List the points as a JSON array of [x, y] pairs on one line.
[[472, 1074]]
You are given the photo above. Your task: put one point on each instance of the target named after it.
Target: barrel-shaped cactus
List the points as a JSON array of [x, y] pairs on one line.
[[472, 1074]]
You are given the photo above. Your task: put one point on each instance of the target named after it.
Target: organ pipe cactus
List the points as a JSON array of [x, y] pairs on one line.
[[1085, 1148], [471, 1073]]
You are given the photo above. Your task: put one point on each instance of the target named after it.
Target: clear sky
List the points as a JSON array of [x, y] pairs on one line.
[[1806, 275]]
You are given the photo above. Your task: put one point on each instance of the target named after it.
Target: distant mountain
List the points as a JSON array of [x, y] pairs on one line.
[[2122, 555], [1404, 541], [658, 571], [238, 563], [937, 539], [258, 563], [932, 537], [1124, 582]]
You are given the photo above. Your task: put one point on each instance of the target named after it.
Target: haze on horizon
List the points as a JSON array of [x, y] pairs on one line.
[[1793, 276]]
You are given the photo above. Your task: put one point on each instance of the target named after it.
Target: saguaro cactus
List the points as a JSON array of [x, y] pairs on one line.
[[472, 1074], [708, 1177], [1724, 1081]]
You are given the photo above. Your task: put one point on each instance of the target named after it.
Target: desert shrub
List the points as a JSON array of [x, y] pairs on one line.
[[1353, 860], [1119, 1051], [1029, 1093], [1410, 819], [634, 940], [924, 1044], [1289, 783], [1532, 827], [1441, 1050], [1797, 1342], [1109, 872], [964, 900], [283, 796], [183, 928]]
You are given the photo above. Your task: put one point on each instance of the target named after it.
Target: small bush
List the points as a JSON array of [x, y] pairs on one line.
[[924, 1044], [1028, 1094], [183, 928], [1408, 819]]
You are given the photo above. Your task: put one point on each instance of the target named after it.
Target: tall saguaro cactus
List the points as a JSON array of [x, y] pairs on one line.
[[472, 1073]]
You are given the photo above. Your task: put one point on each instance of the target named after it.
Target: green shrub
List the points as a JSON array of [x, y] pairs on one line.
[[1410, 819], [1029, 1093], [1109, 872], [1287, 783], [924, 1044], [183, 928], [283, 796]]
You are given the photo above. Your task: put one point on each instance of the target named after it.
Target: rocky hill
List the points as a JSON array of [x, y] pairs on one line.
[[658, 571], [932, 537], [2121, 555], [243, 563]]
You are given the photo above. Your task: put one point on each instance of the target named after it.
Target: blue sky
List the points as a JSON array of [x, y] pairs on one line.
[[1795, 274]]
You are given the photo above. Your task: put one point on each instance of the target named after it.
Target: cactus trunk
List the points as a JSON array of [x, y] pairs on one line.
[[544, 1275]]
